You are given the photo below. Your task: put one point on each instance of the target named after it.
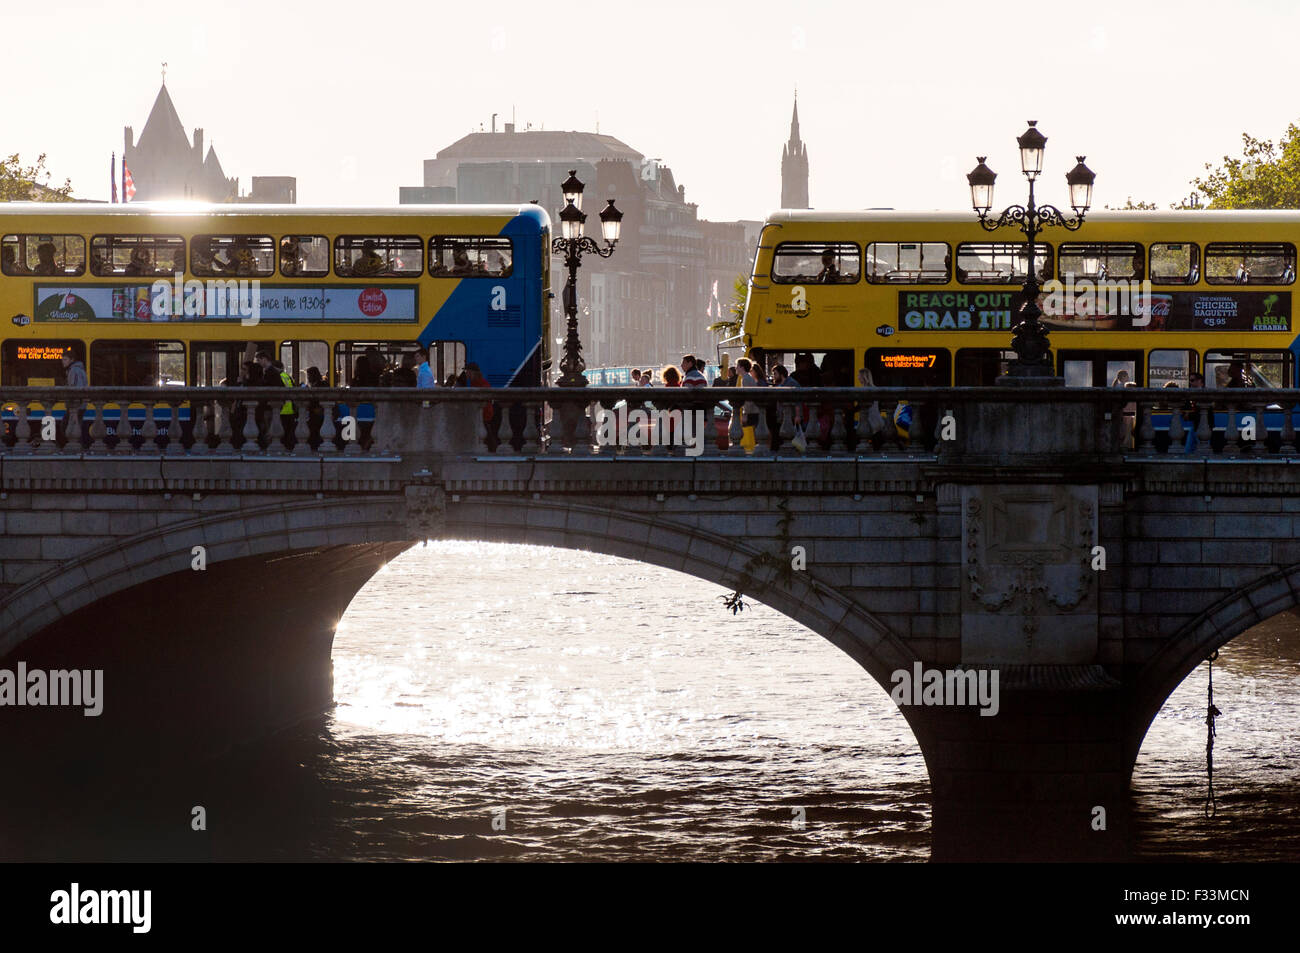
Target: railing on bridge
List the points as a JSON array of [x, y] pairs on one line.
[[622, 422]]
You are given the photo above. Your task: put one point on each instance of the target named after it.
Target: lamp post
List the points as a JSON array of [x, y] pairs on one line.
[[1029, 341], [572, 244]]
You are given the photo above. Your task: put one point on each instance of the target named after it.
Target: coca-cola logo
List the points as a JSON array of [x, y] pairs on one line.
[[372, 302]]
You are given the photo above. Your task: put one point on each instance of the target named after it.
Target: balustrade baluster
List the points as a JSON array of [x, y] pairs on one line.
[[275, 433], [1177, 435], [327, 431], [122, 429], [554, 428], [736, 431], [531, 445], [46, 447], [98, 429], [175, 438], [302, 431], [1204, 430], [23, 430], [1260, 445], [839, 435], [250, 434], [199, 409], [762, 433], [225, 421], [74, 425], [1288, 429], [1146, 429], [149, 429], [786, 431], [1231, 435]]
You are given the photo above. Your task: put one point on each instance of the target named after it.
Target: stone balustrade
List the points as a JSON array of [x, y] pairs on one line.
[[638, 423]]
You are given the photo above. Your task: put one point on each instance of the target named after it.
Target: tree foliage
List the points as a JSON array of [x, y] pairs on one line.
[[25, 183], [1267, 175]]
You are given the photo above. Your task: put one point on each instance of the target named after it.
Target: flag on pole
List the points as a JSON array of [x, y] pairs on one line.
[[128, 186], [112, 176]]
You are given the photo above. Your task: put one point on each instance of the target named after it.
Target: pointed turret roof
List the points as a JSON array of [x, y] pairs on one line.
[[163, 125], [794, 120]]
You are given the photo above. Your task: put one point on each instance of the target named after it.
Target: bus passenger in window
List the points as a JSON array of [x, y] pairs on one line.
[[496, 264], [9, 262], [140, 263], [460, 264], [290, 256], [1243, 273], [829, 273], [178, 260], [1138, 266], [370, 263], [45, 263]]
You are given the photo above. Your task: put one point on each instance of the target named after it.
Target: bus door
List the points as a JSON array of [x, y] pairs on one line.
[[1100, 368], [982, 366]]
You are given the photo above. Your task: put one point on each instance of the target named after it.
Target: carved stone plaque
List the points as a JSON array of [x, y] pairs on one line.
[[1029, 592]]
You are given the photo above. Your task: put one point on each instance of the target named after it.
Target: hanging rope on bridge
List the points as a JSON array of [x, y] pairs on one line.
[[1211, 808]]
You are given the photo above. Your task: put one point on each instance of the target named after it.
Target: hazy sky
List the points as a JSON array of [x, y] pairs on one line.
[[895, 99]]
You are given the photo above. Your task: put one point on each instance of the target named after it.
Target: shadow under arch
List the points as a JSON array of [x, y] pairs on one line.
[[1184, 651]]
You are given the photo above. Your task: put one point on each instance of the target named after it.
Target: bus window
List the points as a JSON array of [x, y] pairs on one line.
[[815, 263], [369, 363], [135, 256], [218, 363], [36, 363], [1249, 263], [43, 255], [810, 368], [1170, 365], [915, 263], [909, 366], [1175, 263], [241, 255], [991, 263], [137, 363], [305, 256], [367, 256], [460, 256], [1101, 261], [446, 359], [1099, 368], [982, 366], [297, 356], [1267, 369]]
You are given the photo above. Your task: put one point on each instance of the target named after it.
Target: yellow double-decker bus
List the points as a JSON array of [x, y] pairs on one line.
[[929, 298], [150, 295]]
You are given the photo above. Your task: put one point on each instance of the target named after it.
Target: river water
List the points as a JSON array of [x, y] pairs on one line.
[[524, 703]]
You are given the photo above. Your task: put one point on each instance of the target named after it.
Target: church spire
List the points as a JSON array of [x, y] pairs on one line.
[[794, 165]]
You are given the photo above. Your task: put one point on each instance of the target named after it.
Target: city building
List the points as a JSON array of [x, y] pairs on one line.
[[651, 301], [794, 166], [167, 164]]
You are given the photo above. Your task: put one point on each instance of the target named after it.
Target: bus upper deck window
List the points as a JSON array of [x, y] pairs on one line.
[[45, 255], [1175, 263], [816, 263]]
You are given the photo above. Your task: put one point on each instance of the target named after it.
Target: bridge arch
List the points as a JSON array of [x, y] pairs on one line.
[[1196, 640]]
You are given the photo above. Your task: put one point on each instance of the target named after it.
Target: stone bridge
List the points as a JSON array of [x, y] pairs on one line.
[[202, 556]]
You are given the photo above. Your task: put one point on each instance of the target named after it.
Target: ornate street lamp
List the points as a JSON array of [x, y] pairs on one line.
[[1033, 351], [572, 244]]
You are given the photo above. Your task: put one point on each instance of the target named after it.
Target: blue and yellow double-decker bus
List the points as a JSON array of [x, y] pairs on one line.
[[182, 293]]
